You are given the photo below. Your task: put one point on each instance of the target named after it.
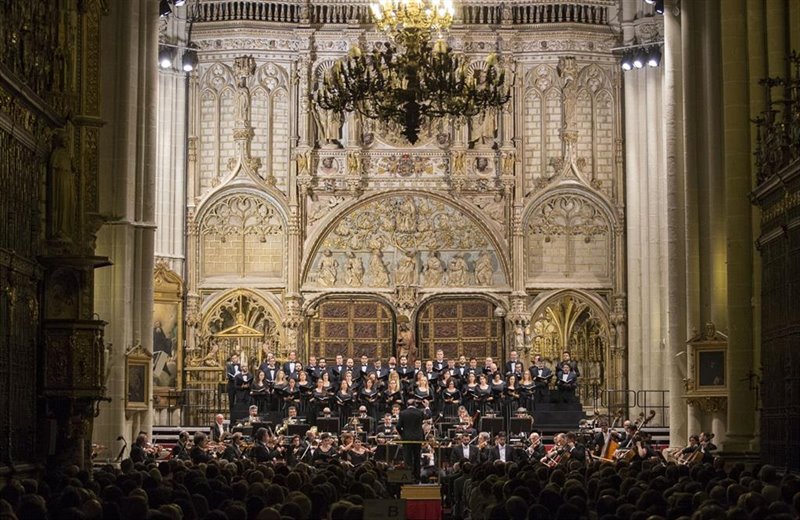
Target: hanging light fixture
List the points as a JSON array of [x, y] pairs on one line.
[[416, 78], [190, 60]]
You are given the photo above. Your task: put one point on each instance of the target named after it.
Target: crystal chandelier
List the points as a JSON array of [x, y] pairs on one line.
[[416, 78]]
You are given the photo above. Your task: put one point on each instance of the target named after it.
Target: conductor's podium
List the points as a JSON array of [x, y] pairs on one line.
[[423, 501]]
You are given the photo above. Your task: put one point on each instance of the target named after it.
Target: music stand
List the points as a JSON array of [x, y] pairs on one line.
[[492, 425], [520, 425], [328, 424], [297, 429]]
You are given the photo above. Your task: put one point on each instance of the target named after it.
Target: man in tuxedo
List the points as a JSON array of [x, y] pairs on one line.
[[462, 367], [501, 451], [439, 363], [566, 358], [473, 367], [511, 364], [403, 369], [290, 367], [541, 380], [336, 372], [392, 365], [567, 383], [464, 452], [232, 369], [409, 427], [218, 430], [381, 372], [363, 369], [487, 367], [430, 372], [315, 371], [243, 381]]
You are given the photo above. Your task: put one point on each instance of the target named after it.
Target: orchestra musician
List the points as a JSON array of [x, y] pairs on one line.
[[707, 447], [181, 449], [141, 451], [576, 450], [199, 452], [682, 455], [501, 451], [260, 452], [535, 451], [233, 451], [465, 451], [325, 450], [219, 430], [428, 459]]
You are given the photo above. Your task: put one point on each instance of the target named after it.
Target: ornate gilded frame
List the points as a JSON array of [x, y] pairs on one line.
[[137, 380], [708, 372]]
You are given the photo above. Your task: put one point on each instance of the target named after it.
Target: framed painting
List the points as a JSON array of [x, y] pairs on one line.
[[137, 380], [167, 328]]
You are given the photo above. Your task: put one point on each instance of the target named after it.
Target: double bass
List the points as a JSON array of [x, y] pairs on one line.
[[629, 451], [610, 447]]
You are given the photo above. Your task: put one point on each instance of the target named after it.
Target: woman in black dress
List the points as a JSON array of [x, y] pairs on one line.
[[526, 387], [369, 395], [498, 392], [355, 452], [422, 390], [470, 393], [259, 391], [291, 396], [325, 451], [306, 389], [320, 398], [452, 398], [512, 396], [483, 395], [344, 403], [393, 393]]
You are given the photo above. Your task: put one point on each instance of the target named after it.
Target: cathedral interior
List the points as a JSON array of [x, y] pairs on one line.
[[173, 193]]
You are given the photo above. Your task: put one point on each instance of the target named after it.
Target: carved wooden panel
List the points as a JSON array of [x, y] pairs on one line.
[[352, 327], [459, 327]]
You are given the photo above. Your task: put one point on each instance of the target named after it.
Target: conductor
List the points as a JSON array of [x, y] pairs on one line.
[[409, 426]]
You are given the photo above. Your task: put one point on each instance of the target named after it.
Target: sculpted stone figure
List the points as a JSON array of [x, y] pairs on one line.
[[434, 270], [242, 102], [406, 270], [328, 268], [407, 216], [62, 193], [457, 271], [353, 270], [484, 271], [329, 125], [377, 269]]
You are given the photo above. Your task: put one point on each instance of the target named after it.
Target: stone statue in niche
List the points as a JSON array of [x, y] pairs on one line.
[[353, 163], [406, 270], [328, 267], [484, 271], [378, 273], [303, 160], [329, 126], [62, 193], [484, 130], [434, 270], [457, 271], [353, 270], [242, 102], [519, 338]]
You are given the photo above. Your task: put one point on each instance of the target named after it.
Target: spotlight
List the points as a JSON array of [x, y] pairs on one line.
[[654, 58], [627, 62], [638, 60], [190, 60], [179, 3], [651, 2], [659, 6], [165, 55], [164, 9]]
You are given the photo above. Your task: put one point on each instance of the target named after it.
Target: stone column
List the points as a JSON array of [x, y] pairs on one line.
[[128, 166], [737, 159], [675, 228]]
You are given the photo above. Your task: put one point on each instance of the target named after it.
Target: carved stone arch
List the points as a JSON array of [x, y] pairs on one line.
[[541, 77], [244, 317], [570, 234], [577, 321], [217, 77], [386, 226], [271, 76], [242, 234], [594, 78]]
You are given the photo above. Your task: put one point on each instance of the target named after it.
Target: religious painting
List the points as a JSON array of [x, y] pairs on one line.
[[137, 382], [710, 368], [167, 327]]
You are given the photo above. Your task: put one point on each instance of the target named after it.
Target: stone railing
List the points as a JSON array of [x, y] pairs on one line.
[[530, 12]]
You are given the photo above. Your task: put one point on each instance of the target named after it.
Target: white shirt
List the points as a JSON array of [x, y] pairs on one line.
[[564, 377], [502, 451], [466, 452]]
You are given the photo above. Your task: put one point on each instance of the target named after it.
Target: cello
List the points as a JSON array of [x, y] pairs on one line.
[[629, 451]]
